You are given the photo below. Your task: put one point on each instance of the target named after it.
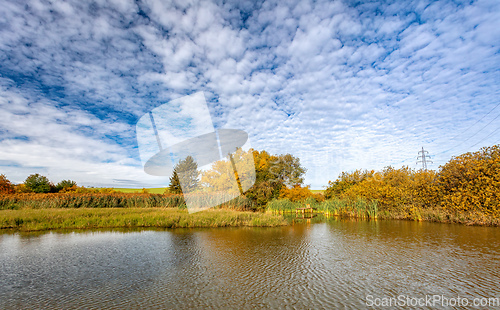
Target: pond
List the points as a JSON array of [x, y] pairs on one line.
[[333, 263]]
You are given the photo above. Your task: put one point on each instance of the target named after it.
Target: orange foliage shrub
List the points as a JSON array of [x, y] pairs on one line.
[[296, 193], [21, 188], [5, 185]]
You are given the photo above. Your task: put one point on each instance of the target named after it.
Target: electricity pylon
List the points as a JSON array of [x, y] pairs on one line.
[[423, 158]]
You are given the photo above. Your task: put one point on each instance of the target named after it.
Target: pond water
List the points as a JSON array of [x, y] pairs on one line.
[[324, 264]]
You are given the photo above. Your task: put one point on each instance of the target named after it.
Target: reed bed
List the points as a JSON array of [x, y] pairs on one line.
[[111, 200], [239, 203], [439, 215], [365, 209], [85, 218], [283, 206], [92, 200], [359, 208]]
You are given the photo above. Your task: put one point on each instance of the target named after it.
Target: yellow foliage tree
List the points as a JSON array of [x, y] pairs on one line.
[[220, 177], [471, 182], [296, 193]]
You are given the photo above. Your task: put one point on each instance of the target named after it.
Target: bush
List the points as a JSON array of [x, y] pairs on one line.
[[38, 183], [471, 182], [6, 186], [21, 188], [296, 193], [345, 181], [467, 184], [65, 184]]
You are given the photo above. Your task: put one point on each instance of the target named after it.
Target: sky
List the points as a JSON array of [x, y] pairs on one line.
[[342, 85]]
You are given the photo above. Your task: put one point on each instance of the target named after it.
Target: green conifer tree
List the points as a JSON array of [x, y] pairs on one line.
[[187, 172]]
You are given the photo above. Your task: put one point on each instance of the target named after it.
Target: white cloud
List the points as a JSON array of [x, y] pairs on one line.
[[42, 137], [342, 86]]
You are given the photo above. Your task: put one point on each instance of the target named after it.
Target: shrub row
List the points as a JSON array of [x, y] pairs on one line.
[[469, 183]]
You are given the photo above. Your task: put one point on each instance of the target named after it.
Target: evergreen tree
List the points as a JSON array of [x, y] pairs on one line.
[[185, 173], [175, 186]]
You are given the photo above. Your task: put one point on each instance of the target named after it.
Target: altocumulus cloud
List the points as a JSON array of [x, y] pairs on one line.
[[341, 84]]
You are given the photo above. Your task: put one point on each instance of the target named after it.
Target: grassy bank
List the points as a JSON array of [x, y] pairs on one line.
[[440, 215], [83, 218]]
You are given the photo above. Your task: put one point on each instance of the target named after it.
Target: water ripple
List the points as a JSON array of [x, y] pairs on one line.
[[325, 265]]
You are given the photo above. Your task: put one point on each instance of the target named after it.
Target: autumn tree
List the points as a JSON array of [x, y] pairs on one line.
[[6, 186], [37, 183], [286, 170], [296, 193], [471, 182], [345, 181], [393, 189], [272, 172], [261, 193], [185, 173], [65, 185], [260, 175], [220, 177]]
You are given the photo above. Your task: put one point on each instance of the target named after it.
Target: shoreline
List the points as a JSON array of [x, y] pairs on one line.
[[28, 220], [431, 216]]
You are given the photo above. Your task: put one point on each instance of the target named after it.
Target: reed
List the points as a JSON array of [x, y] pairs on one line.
[[239, 203], [358, 208], [283, 206], [332, 207], [85, 218], [115, 200], [89, 200], [372, 210]]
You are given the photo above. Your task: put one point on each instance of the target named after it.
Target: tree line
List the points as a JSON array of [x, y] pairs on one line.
[[468, 183], [35, 183], [276, 176]]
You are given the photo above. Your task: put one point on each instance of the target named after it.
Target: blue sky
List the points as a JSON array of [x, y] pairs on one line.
[[340, 84]]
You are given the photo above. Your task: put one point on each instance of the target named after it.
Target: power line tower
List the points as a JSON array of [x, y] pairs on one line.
[[423, 158]]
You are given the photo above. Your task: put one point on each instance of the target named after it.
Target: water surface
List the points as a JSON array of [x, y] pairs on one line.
[[331, 264]]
